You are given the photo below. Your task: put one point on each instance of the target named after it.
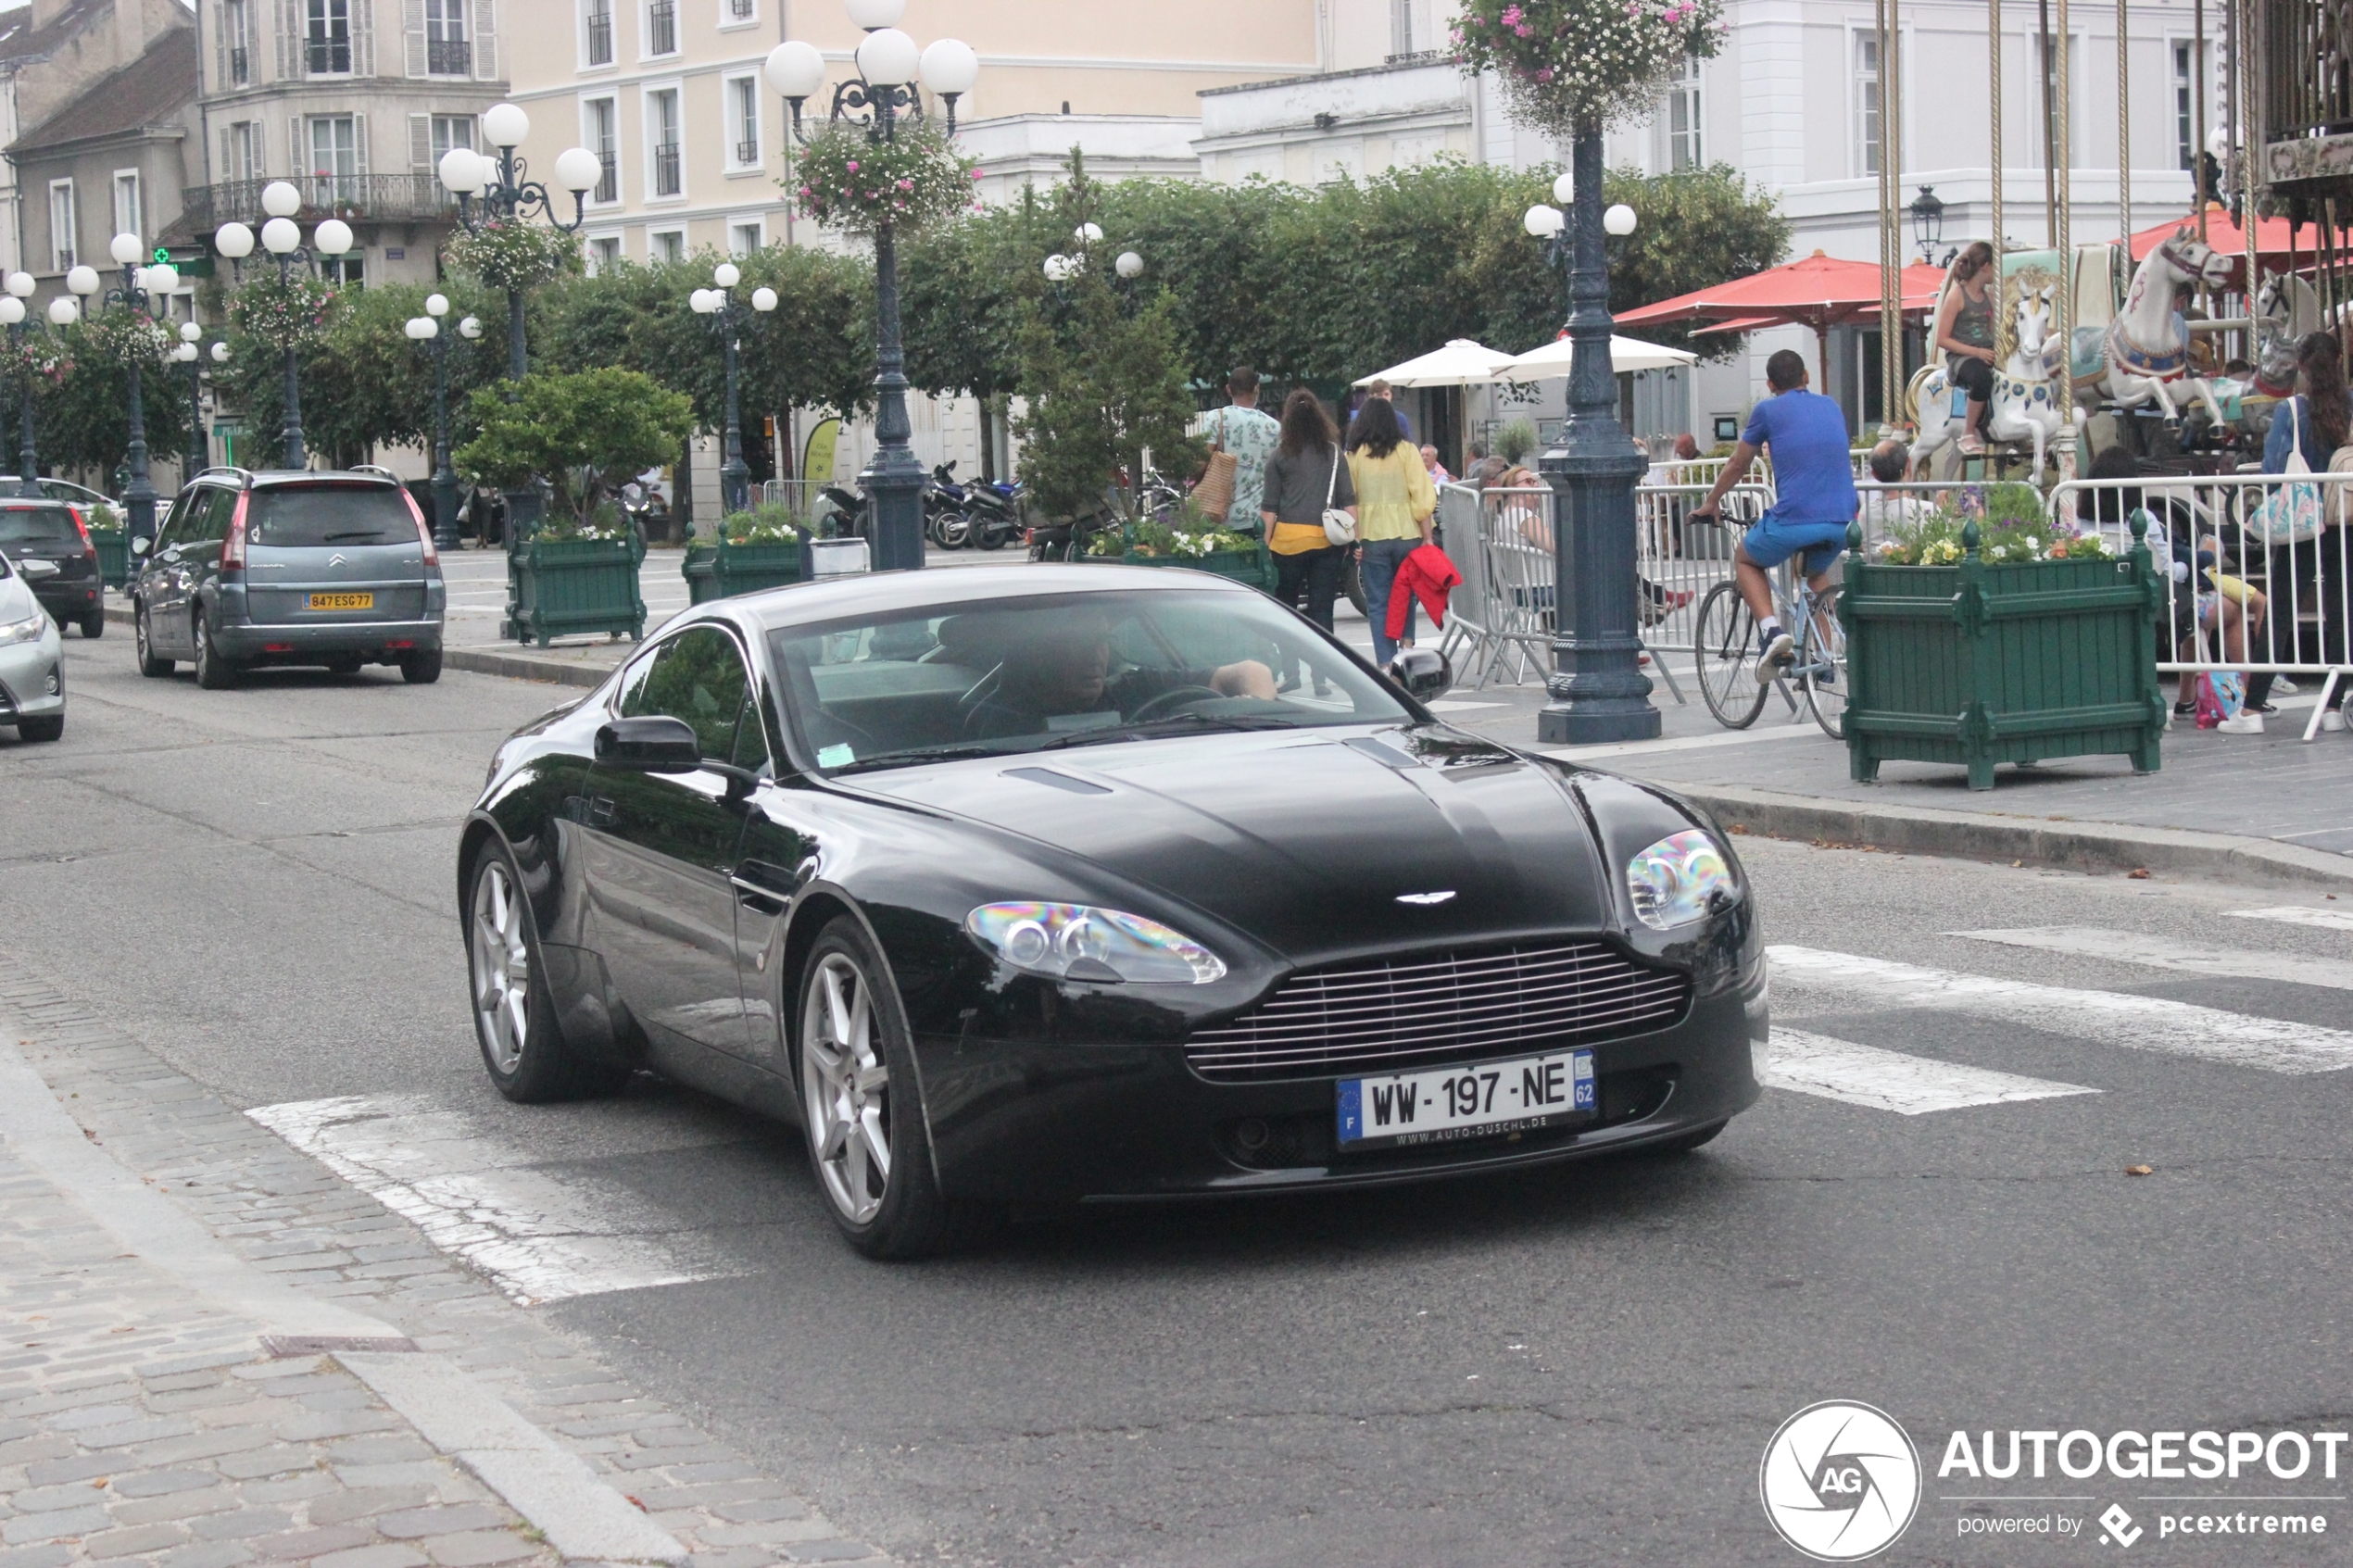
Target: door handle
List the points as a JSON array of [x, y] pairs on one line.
[[751, 894]]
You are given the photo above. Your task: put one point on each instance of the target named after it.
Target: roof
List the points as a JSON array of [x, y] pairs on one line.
[[146, 92], [19, 40]]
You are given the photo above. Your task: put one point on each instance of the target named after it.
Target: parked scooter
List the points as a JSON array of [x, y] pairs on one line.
[[840, 513], [945, 521], [995, 511]]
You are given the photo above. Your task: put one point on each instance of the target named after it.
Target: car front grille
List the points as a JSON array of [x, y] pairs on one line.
[[1425, 1008]]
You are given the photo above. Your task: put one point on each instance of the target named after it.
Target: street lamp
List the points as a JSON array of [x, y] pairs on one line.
[[1596, 691], [495, 190], [283, 239], [727, 318], [1928, 221], [138, 283], [889, 68], [19, 288], [426, 328], [190, 353]]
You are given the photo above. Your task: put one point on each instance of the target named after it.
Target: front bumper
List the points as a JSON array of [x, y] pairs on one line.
[[27, 673], [1051, 1122]]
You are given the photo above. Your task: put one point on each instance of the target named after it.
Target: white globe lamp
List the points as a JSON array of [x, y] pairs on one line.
[[1620, 221], [82, 280], [872, 14], [1129, 264], [65, 309], [726, 274], [950, 68], [505, 125], [125, 248], [11, 310], [764, 298], [578, 169], [189, 332], [462, 172], [469, 328], [422, 326], [280, 199], [233, 241], [332, 238], [888, 58], [795, 69], [23, 284], [1544, 221], [280, 237], [1563, 187], [220, 353]]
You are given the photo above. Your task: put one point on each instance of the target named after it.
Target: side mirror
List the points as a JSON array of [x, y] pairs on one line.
[[1421, 673], [142, 545], [655, 744]]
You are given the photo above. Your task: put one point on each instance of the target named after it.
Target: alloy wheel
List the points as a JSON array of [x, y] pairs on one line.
[[501, 961], [846, 1086]]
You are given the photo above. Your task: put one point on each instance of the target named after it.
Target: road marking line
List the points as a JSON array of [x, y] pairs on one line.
[[2159, 952], [2149, 1024], [2295, 914], [1885, 1080], [539, 1236]]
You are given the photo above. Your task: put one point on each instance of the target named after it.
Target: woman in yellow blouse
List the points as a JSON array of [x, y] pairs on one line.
[[1395, 504]]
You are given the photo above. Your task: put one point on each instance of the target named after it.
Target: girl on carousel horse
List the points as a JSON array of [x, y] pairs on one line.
[[1965, 332]]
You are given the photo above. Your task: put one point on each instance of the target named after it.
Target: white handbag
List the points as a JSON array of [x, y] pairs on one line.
[[1339, 527]]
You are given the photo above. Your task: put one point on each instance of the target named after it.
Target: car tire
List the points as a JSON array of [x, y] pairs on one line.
[[863, 1120], [150, 665], [522, 1047], [420, 667], [214, 671], [48, 727], [93, 625]]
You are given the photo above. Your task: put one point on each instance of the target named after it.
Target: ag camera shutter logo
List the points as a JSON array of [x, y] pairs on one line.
[[1840, 1481]]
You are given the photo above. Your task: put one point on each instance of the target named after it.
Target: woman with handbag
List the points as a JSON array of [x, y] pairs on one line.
[[1395, 505], [2292, 526], [1307, 482]]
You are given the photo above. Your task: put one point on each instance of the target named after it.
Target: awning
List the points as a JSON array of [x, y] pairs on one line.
[[1820, 291], [1460, 363], [1551, 360]]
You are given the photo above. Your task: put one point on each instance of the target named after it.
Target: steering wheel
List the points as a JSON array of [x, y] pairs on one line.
[[1152, 707]]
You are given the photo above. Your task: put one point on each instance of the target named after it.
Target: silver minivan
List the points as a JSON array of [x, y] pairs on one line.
[[333, 569]]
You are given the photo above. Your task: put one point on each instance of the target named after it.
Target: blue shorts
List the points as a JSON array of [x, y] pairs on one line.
[[1771, 540]]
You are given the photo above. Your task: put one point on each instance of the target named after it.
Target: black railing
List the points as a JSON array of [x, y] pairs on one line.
[[399, 196], [608, 178], [740, 10], [663, 29], [2307, 73], [240, 67], [666, 169], [448, 56], [328, 56], [747, 152], [600, 38]]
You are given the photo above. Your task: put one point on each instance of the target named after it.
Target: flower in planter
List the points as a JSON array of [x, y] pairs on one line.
[[851, 184], [1571, 66], [509, 252]]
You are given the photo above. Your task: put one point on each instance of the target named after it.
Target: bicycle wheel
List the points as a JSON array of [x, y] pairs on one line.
[[1823, 663], [1723, 648]]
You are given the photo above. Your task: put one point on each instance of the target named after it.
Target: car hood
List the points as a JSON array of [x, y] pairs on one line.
[[1313, 843]]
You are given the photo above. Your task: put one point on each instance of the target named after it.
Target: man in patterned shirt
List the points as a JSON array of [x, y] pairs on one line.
[[1250, 436]]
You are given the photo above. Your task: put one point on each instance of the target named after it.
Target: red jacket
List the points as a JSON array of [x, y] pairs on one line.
[[1427, 575]]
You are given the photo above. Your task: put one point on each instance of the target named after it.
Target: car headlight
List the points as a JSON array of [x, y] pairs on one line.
[[1075, 942], [25, 631], [1677, 879]]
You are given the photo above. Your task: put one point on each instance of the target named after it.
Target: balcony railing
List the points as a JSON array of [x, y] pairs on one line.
[[608, 178], [2306, 88], [747, 153], [666, 169], [448, 56], [328, 56], [740, 10], [398, 197], [240, 67], [600, 38]]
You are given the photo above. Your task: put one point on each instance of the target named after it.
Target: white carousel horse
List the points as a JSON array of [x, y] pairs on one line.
[[2286, 308], [2025, 401], [2145, 353]]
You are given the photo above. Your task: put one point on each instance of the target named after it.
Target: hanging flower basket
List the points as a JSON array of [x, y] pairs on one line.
[[851, 183], [510, 252], [1574, 66], [124, 336], [35, 354], [293, 312]]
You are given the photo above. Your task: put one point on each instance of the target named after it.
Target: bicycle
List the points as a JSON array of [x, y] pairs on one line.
[[1724, 651]]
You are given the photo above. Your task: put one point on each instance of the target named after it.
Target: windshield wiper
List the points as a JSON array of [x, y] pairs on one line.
[[1176, 723], [907, 756]]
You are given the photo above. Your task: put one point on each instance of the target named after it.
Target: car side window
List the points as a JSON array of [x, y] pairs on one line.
[[751, 735], [697, 676], [173, 529], [217, 516]]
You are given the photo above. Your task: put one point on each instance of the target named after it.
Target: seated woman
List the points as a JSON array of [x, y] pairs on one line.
[[1965, 332]]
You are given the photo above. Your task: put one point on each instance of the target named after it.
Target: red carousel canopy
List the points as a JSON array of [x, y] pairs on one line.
[[1820, 291]]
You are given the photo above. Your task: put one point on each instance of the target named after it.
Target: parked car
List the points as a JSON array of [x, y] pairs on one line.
[[333, 569], [33, 675], [54, 533], [1065, 882], [57, 490]]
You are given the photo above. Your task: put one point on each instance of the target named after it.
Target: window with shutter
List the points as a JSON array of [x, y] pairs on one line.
[[421, 157], [299, 152], [290, 46], [219, 49], [363, 37], [486, 39], [413, 28], [360, 146]]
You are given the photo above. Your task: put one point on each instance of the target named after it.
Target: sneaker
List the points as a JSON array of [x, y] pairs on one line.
[[2241, 723], [1779, 654], [2260, 707], [1971, 446], [2186, 710], [2285, 687], [2333, 722]]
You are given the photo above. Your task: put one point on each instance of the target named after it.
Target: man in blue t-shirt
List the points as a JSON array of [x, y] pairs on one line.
[[1814, 484]]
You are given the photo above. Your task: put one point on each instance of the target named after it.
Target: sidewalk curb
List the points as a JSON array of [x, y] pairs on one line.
[[1984, 837]]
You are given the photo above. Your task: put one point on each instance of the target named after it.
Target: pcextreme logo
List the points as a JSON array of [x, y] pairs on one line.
[[1840, 1481]]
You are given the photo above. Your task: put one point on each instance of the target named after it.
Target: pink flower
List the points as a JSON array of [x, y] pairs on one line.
[[806, 191], [906, 185], [853, 166], [1524, 31], [1511, 16], [1544, 75], [975, 173]]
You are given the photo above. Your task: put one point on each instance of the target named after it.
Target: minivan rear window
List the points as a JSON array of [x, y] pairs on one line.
[[37, 525], [291, 516]]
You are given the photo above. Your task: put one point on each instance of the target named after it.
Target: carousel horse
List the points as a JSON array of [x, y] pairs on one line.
[[2145, 353], [2286, 307], [2025, 402]]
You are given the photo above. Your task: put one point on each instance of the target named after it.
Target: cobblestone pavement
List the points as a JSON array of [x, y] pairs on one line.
[[140, 1422]]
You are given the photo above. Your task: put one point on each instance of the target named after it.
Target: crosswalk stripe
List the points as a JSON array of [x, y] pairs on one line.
[[2149, 1024], [539, 1236], [2297, 914], [1885, 1080], [2161, 953]]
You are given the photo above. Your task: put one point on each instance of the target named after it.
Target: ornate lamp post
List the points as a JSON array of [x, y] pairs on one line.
[[426, 328], [283, 239], [191, 354], [138, 282], [496, 190], [1597, 691], [889, 67], [21, 286], [1927, 223], [727, 318]]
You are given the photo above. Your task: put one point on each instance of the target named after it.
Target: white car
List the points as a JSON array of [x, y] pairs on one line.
[[33, 676]]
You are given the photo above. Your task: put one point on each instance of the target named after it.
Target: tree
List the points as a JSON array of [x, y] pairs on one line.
[[580, 430], [82, 411]]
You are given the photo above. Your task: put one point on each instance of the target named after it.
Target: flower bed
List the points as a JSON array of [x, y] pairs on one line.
[[726, 569], [1220, 552], [562, 587], [1979, 662]]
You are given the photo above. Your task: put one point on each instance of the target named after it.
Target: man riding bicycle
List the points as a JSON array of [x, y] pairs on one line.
[[1814, 483]]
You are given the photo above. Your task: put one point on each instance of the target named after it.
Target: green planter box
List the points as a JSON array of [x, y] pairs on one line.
[[568, 586], [114, 555], [1254, 567], [723, 570], [1975, 664]]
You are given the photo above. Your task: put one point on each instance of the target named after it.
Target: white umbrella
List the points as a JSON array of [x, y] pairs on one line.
[[1460, 363], [1548, 361]]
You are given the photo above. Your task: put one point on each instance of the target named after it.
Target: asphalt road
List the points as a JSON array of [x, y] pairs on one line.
[[1583, 1366]]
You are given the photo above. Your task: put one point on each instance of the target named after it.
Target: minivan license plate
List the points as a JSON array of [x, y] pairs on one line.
[[342, 601], [1486, 1099]]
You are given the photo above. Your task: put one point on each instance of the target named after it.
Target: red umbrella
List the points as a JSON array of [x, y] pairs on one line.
[[2272, 238], [1820, 291]]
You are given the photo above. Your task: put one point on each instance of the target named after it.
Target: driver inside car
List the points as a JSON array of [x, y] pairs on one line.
[[1057, 675]]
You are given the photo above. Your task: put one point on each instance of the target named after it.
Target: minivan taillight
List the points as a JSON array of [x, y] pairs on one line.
[[424, 530], [233, 548], [88, 549]]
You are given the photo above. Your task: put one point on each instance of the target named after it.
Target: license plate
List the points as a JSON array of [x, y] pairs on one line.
[[1487, 1100], [342, 601]]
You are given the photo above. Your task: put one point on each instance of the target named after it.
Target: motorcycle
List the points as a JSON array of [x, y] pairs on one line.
[[840, 513], [995, 511], [945, 521]]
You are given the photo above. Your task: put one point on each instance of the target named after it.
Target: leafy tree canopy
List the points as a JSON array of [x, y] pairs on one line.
[[585, 433]]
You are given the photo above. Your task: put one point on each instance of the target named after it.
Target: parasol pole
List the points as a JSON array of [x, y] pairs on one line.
[[1993, 88], [2063, 322], [1890, 188]]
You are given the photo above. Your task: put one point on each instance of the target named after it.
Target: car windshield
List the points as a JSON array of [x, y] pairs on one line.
[[291, 516], [1002, 677], [37, 525]]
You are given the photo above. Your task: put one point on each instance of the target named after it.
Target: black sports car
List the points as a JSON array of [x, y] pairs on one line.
[[1057, 883]]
